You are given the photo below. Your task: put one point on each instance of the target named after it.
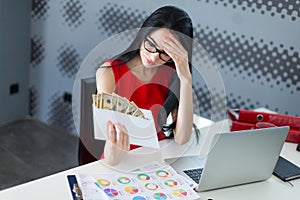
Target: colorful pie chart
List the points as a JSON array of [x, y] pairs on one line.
[[162, 173], [151, 186], [171, 183], [131, 189], [111, 192], [180, 193], [143, 177], [139, 198], [159, 196], [103, 182], [124, 180]]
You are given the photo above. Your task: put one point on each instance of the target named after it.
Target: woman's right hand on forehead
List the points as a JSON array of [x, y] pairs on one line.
[[174, 48]]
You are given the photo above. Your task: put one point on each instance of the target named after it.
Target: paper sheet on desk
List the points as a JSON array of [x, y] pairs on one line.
[[160, 183], [141, 131]]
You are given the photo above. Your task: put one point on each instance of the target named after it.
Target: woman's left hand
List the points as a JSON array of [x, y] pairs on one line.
[[179, 55]]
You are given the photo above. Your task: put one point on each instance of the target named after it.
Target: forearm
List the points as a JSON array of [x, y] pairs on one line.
[[184, 122], [112, 154], [117, 145]]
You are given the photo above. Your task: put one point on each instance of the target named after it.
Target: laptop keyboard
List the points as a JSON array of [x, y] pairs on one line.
[[194, 174]]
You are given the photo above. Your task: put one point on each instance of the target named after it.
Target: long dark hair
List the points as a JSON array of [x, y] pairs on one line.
[[177, 20]]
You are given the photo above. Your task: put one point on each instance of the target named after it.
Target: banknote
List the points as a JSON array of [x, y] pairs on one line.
[[117, 103], [132, 107], [138, 113], [108, 101], [97, 100], [94, 96], [122, 104]]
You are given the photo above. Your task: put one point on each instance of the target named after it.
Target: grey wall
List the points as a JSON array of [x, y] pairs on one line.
[[256, 45], [14, 58]]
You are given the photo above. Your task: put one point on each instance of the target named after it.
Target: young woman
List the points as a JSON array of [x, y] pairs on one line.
[[154, 73]]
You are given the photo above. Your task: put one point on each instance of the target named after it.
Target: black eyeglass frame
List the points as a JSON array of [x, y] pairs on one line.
[[156, 51]]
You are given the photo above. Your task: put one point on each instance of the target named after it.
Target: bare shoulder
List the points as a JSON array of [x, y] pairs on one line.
[[104, 70], [105, 78], [105, 65]]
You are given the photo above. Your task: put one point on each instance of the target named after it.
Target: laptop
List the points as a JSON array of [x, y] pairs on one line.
[[234, 158]]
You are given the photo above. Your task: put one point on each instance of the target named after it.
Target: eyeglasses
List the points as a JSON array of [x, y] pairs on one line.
[[150, 47]]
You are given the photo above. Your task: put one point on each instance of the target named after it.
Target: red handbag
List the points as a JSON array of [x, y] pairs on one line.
[[249, 119]]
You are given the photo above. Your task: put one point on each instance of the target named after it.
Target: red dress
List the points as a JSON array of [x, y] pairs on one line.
[[149, 96]]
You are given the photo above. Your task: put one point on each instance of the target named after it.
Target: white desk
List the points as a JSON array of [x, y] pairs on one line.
[[56, 187]]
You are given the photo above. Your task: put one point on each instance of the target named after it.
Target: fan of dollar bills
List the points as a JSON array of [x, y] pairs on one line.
[[116, 103]]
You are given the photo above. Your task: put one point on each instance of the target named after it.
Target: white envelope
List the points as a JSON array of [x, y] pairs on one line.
[[140, 131]]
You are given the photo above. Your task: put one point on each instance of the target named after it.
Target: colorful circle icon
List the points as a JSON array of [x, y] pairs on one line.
[[124, 180], [162, 173], [111, 192], [151, 186], [143, 177], [131, 190], [139, 198], [171, 183], [103, 182], [180, 193], [159, 196]]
